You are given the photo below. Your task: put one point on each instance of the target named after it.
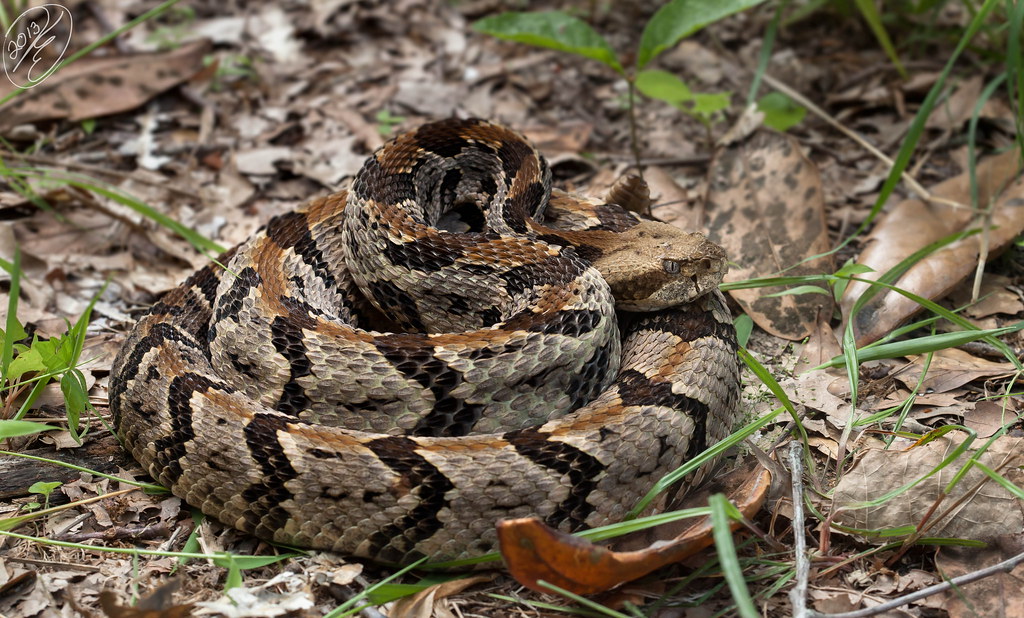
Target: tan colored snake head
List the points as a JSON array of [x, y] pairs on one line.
[[653, 265]]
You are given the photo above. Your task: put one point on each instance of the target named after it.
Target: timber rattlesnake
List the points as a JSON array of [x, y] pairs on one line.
[[295, 394]]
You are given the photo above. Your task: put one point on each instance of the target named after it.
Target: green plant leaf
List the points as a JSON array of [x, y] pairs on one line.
[[13, 429], [44, 488], [664, 86], [707, 104], [681, 18], [27, 361], [72, 386], [553, 30], [780, 112], [49, 351]]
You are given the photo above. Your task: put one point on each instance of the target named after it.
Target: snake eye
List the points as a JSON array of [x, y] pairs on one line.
[[670, 266]]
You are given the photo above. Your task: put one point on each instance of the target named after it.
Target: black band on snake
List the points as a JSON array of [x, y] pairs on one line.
[[387, 372]]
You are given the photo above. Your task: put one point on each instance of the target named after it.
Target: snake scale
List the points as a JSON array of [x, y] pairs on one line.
[[388, 371]]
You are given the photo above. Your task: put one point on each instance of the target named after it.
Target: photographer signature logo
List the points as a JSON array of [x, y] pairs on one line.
[[32, 48]]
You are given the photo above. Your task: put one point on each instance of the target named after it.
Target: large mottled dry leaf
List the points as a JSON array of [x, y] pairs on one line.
[[913, 224], [766, 208], [534, 551], [93, 87], [982, 516]]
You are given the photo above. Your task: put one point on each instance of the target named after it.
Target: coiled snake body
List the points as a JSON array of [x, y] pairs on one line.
[[388, 371]]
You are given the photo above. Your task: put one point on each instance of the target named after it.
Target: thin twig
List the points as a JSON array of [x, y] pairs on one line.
[[52, 563], [688, 161], [982, 251], [1003, 567], [817, 111], [798, 595]]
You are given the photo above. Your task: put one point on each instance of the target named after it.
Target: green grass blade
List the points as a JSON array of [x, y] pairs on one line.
[[1006, 484], [765, 55], [972, 132], [1015, 70], [14, 429], [585, 602], [892, 275], [355, 604], [692, 465], [922, 345], [12, 327], [902, 159], [727, 558], [869, 12], [200, 242], [950, 458]]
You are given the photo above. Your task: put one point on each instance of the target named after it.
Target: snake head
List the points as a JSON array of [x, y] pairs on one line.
[[654, 265]]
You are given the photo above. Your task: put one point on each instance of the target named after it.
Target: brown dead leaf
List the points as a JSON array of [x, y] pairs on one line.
[[952, 368], [984, 515], [811, 389], [912, 224], [988, 417], [93, 87], [834, 601], [995, 296], [534, 551], [952, 113], [766, 207], [422, 604], [821, 347], [286, 593], [157, 604], [674, 203], [566, 137], [996, 595], [18, 585]]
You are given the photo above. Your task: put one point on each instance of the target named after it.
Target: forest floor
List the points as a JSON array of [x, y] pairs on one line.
[[221, 115]]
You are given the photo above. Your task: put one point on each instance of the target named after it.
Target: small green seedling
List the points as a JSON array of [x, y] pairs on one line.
[[177, 25], [780, 112], [386, 122], [43, 489]]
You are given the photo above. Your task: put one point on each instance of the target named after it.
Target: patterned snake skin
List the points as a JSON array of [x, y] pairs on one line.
[[388, 371]]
